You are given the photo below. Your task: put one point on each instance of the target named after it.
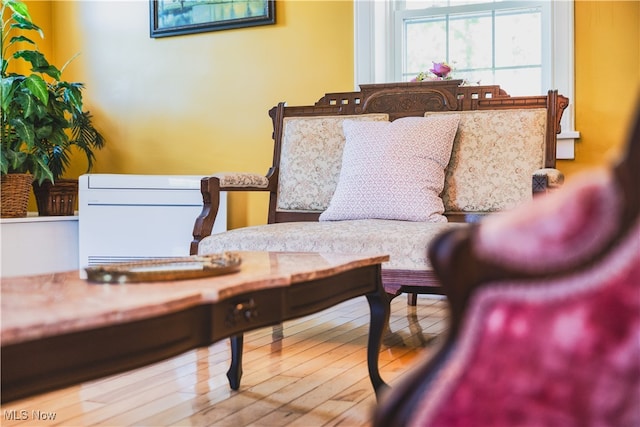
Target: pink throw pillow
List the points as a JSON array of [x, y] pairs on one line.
[[393, 170]]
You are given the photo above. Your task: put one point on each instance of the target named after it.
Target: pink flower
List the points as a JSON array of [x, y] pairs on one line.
[[441, 69]]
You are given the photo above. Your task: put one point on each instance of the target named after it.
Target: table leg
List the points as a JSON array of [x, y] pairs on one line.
[[379, 305], [234, 374]]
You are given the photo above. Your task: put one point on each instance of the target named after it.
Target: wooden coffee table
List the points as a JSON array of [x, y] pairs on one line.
[[59, 330]]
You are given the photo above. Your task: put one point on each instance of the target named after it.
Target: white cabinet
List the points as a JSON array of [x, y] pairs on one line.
[[35, 245]]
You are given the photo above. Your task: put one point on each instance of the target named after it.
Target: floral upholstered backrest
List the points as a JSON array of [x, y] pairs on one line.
[[310, 160], [495, 153]]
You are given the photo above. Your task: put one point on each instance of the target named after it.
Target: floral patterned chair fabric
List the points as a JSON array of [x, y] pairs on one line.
[[545, 327], [494, 154], [316, 141]]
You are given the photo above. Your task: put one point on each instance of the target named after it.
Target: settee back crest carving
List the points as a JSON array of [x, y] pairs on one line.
[[411, 99]]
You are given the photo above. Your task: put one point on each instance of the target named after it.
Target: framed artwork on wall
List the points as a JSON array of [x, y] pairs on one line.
[[177, 17]]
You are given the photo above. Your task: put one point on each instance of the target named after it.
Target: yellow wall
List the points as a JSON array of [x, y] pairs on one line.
[[607, 62], [197, 104]]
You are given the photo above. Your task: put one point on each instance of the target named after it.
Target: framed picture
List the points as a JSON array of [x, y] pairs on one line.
[[176, 17]]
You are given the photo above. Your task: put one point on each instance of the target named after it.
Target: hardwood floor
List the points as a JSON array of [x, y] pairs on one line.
[[310, 372]]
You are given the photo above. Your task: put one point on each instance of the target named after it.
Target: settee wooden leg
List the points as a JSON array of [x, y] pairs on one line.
[[412, 299]]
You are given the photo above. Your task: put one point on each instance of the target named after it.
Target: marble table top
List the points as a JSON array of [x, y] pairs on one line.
[[34, 307]]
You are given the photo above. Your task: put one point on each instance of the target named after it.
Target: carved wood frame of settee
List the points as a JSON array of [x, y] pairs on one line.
[[397, 100]]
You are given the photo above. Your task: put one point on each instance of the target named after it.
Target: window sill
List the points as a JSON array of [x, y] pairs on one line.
[[565, 150]]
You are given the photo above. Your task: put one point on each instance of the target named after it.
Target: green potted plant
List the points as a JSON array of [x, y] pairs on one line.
[[42, 115]]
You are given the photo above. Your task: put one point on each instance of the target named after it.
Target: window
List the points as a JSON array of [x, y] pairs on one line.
[[486, 43], [524, 46]]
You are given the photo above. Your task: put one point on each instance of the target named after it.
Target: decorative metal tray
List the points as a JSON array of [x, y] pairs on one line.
[[180, 268]]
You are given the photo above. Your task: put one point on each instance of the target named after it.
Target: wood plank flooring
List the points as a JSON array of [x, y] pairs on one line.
[[311, 371]]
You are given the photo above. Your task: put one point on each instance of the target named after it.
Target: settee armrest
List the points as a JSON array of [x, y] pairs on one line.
[[230, 181], [210, 188], [546, 179]]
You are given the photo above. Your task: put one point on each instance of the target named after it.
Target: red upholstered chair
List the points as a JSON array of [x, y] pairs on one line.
[[545, 324]]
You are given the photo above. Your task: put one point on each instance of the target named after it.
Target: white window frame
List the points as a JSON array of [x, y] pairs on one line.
[[374, 57]]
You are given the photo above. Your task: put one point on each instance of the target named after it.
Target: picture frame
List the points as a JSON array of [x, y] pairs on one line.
[[178, 17]]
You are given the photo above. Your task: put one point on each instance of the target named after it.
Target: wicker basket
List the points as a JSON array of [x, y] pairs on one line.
[[14, 193], [57, 199]]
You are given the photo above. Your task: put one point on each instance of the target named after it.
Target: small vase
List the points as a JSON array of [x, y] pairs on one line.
[[14, 193]]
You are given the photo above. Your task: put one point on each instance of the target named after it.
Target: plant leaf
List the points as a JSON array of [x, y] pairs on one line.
[[58, 138], [73, 96], [21, 38], [50, 70], [19, 8], [59, 161], [17, 159], [37, 59], [27, 26], [38, 87], [24, 131], [8, 88], [43, 131], [41, 170], [29, 105], [23, 20], [4, 164]]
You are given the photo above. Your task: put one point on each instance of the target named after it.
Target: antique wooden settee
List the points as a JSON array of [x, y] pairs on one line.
[[503, 152]]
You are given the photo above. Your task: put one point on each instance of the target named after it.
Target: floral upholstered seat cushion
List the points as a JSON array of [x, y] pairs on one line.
[[404, 241]]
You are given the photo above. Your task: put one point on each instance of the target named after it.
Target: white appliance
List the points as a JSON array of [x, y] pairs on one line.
[[132, 217]]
